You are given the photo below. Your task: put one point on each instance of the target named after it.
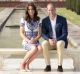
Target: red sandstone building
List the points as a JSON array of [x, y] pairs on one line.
[[22, 3], [32, 0]]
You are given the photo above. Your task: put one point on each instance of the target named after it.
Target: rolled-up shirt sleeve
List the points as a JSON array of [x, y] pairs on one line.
[[22, 22]]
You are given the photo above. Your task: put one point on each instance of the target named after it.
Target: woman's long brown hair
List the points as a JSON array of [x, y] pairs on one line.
[[27, 16]]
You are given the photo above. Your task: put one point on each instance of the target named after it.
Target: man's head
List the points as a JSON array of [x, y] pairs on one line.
[[51, 10]]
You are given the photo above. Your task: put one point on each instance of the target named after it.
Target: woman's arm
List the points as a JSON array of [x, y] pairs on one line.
[[22, 33], [33, 40], [39, 34]]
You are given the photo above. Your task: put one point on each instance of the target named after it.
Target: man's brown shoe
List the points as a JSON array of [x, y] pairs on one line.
[[48, 68], [60, 69]]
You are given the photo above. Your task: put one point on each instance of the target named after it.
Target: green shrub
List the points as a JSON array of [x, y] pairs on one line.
[[73, 5], [78, 6]]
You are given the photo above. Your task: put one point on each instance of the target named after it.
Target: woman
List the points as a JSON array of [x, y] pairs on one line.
[[30, 32]]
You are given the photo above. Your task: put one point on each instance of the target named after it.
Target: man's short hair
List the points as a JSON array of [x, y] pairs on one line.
[[51, 4]]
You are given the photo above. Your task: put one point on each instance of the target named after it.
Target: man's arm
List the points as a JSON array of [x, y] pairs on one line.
[[64, 30], [44, 32]]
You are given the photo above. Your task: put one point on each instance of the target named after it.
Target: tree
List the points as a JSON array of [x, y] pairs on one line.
[[78, 6]]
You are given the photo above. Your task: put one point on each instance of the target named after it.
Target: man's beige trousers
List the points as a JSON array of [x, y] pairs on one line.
[[46, 51]]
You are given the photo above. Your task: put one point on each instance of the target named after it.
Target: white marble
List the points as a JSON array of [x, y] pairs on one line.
[[37, 66]]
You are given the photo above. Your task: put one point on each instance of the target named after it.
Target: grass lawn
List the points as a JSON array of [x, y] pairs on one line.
[[72, 16]]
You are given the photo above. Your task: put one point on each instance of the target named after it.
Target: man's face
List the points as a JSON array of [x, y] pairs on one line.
[[51, 10]]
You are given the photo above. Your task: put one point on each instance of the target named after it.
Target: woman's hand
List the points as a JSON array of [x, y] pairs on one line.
[[26, 39], [32, 40]]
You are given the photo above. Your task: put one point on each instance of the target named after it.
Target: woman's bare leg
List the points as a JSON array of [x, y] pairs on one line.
[[39, 50], [27, 57]]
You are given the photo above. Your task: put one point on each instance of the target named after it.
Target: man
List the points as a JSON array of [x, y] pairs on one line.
[[54, 31]]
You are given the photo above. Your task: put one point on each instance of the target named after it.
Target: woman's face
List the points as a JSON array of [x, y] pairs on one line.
[[31, 11]]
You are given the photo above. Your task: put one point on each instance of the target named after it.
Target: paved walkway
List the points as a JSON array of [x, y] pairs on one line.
[[74, 34], [37, 65], [4, 15]]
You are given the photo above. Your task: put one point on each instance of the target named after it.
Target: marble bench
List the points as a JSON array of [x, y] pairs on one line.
[[68, 53]]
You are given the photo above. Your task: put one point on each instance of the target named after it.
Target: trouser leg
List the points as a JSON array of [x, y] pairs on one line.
[[60, 49], [46, 52]]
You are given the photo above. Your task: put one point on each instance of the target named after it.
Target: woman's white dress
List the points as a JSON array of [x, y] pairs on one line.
[[31, 31]]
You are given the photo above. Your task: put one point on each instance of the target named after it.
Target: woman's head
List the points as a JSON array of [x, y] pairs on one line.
[[31, 12]]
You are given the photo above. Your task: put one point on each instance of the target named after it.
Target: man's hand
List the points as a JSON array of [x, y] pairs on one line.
[[52, 42]]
